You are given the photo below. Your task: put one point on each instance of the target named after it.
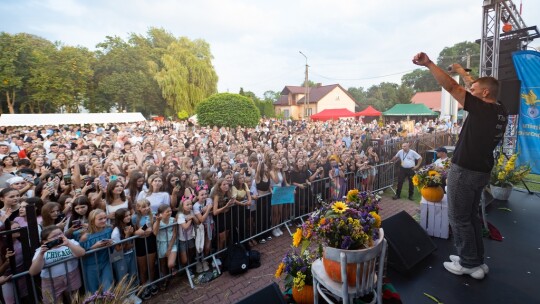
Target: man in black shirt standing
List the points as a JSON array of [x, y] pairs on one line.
[[471, 163]]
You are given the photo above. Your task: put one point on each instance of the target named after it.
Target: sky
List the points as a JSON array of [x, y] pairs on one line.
[[256, 44]]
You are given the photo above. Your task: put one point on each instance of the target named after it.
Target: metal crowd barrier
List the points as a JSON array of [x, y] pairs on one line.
[[242, 223]]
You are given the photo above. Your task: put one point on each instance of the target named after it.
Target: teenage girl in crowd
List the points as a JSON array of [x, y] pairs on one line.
[[123, 229], [8, 289], [222, 203], [61, 280], [96, 268], [154, 194], [115, 198], [186, 220], [79, 217], [203, 211], [165, 231], [135, 185], [9, 200], [145, 245]]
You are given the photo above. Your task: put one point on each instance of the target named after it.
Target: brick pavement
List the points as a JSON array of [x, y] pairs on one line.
[[230, 289]]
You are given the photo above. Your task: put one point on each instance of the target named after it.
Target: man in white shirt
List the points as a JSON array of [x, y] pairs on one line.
[[442, 157], [410, 161]]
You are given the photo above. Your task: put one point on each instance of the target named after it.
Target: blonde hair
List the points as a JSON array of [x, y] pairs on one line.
[[151, 179], [139, 204], [92, 228]]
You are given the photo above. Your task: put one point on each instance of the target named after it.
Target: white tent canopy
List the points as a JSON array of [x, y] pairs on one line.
[[68, 119]]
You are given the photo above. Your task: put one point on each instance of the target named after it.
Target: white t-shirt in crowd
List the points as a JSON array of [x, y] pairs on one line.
[[156, 199], [185, 234], [54, 255]]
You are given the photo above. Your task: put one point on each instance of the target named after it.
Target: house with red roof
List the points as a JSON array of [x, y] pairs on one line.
[[432, 100], [293, 102]]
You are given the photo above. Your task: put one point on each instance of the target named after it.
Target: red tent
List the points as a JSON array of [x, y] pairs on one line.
[[369, 111], [333, 114]]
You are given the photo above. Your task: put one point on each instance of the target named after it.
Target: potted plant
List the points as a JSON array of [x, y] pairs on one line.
[[429, 181], [342, 227], [505, 174], [296, 265]]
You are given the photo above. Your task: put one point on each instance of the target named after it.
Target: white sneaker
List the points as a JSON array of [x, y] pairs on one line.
[[455, 258], [457, 269], [199, 267], [275, 233], [280, 232], [205, 265]]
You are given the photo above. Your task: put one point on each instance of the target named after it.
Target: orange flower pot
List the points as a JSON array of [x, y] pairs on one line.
[[304, 296], [433, 194]]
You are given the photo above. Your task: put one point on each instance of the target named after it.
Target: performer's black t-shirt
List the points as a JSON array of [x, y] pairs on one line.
[[481, 132]]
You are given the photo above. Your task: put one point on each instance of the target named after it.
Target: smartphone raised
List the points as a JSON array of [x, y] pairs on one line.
[[54, 243], [67, 179], [144, 227], [103, 181]]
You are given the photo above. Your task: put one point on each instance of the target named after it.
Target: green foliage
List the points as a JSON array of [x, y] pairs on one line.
[[382, 96], [421, 80], [187, 76], [228, 110], [266, 107], [183, 115]]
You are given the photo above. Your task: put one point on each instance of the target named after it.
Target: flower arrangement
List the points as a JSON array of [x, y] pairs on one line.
[[297, 264], [505, 173], [429, 176], [353, 224]]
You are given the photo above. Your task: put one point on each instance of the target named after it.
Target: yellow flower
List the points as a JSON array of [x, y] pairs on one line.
[[297, 237], [352, 195], [339, 207], [500, 161], [415, 180], [299, 280], [433, 173], [377, 218], [322, 221], [279, 270]]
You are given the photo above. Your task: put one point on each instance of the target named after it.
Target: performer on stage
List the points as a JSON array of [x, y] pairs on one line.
[[471, 163]]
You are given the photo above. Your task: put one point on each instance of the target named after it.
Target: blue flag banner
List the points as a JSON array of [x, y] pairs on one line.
[[527, 64], [283, 195]]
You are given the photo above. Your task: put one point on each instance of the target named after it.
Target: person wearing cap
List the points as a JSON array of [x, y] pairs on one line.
[[442, 157]]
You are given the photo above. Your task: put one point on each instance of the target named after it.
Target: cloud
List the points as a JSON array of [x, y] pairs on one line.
[[256, 43]]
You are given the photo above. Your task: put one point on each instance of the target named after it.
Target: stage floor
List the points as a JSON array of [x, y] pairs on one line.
[[514, 263]]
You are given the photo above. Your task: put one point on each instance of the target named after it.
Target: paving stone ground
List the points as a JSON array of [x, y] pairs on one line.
[[230, 289]]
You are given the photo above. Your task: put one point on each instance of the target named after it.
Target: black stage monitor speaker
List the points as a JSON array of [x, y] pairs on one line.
[[509, 95], [408, 242], [269, 294]]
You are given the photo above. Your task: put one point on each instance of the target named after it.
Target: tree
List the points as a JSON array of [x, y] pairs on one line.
[[16, 60], [187, 76], [228, 110], [360, 96], [386, 95], [123, 77], [60, 79], [421, 80]]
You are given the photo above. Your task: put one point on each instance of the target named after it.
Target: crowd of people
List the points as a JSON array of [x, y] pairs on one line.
[[169, 186]]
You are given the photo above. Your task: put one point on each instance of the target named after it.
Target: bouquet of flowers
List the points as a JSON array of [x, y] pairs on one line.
[[297, 265], [505, 173], [353, 224], [429, 176]]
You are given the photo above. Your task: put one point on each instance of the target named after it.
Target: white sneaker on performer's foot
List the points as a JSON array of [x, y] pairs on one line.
[[455, 258], [457, 269]]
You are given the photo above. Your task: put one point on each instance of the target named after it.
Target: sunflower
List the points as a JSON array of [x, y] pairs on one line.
[[415, 180], [377, 218], [297, 237], [339, 207], [279, 270], [433, 173]]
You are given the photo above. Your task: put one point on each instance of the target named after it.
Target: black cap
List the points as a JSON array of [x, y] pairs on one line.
[[441, 149]]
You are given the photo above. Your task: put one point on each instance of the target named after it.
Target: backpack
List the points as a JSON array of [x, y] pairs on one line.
[[237, 259], [254, 259]]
